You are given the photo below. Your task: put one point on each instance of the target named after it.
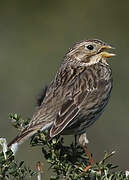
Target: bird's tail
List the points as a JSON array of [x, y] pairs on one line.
[[13, 145], [27, 133]]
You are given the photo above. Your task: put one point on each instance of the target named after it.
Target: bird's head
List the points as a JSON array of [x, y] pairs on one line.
[[90, 52]]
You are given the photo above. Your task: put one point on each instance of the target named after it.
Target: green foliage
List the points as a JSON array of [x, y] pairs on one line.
[[11, 169], [67, 162], [18, 122]]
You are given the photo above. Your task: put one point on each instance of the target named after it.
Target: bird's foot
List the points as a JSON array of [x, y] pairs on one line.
[[87, 168]]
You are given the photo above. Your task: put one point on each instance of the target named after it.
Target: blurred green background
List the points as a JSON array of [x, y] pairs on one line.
[[34, 36]]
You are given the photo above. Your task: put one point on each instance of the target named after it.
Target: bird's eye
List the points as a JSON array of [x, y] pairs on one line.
[[90, 47]]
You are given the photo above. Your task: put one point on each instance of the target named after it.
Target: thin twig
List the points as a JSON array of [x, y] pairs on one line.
[[39, 168]]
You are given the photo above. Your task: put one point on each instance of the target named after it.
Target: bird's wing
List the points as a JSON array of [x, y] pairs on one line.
[[68, 111]]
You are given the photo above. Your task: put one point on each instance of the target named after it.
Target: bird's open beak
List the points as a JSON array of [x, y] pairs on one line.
[[106, 54]]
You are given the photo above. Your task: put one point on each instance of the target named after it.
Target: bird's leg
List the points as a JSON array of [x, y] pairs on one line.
[[83, 141], [88, 154]]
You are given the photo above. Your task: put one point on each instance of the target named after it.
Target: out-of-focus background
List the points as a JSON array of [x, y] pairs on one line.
[[34, 36]]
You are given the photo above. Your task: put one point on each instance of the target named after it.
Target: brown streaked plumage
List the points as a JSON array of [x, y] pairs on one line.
[[78, 94]]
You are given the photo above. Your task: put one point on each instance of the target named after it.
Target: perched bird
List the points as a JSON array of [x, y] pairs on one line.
[[76, 97]]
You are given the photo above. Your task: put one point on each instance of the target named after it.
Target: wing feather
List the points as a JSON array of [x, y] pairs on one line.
[[68, 111]]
